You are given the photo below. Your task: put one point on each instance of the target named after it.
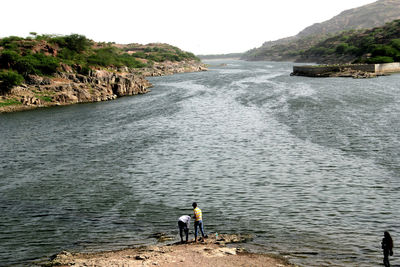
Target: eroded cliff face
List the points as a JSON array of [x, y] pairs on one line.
[[68, 87]]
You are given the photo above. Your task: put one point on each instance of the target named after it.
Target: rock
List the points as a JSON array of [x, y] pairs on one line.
[[66, 68], [34, 79], [228, 251], [234, 238], [140, 258], [162, 237], [46, 81], [30, 100]]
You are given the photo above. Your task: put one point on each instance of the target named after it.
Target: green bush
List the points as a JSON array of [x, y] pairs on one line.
[[395, 43], [110, 56], [74, 42], [8, 79], [76, 50], [342, 48], [384, 50], [7, 57], [320, 51], [380, 59], [103, 57], [39, 63], [129, 61], [45, 64], [10, 42], [139, 54]]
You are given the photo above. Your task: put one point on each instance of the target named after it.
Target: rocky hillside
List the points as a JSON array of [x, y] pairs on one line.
[[364, 17], [377, 45], [59, 70]]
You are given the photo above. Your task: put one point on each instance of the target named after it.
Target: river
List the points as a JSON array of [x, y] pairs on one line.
[[310, 167]]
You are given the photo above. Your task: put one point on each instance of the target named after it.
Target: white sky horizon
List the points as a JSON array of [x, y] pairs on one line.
[[201, 27]]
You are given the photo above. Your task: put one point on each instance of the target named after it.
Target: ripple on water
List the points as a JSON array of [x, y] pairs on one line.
[[306, 165]]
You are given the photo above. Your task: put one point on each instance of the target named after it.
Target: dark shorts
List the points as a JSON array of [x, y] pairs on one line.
[[182, 225]]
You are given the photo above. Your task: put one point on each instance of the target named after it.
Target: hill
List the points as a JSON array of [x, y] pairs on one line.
[[377, 45], [291, 48], [44, 70], [221, 56]]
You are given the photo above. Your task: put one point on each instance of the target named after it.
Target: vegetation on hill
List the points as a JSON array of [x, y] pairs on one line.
[[288, 49], [221, 56], [291, 48], [44, 54], [377, 45]]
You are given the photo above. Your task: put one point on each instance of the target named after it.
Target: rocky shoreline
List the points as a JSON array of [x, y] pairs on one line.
[[356, 71], [213, 251], [68, 87], [343, 72]]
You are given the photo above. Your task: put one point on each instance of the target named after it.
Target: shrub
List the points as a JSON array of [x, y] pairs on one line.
[[109, 56], [7, 57], [380, 59], [139, 54], [395, 43], [8, 79], [342, 48], [384, 50], [45, 64], [320, 51], [29, 64], [103, 57], [10, 42], [74, 42], [129, 61]]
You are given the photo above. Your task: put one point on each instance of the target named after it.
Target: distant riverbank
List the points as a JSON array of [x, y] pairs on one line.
[[68, 87]]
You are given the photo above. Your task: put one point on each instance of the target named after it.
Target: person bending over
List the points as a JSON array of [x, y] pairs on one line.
[[183, 224]]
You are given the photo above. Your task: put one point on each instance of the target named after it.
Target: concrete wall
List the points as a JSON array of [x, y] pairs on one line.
[[387, 67]]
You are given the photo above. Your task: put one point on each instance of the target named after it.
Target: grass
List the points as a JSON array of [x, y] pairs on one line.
[[9, 102], [44, 98]]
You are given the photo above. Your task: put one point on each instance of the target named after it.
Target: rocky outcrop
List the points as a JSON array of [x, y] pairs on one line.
[[69, 87], [360, 71], [169, 68]]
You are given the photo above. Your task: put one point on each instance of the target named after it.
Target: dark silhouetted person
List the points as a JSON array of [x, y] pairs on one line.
[[183, 224], [387, 246], [198, 221]]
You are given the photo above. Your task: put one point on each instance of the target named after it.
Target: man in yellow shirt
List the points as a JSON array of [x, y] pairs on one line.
[[198, 221]]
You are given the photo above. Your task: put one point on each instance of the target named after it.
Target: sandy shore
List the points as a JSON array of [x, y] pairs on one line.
[[211, 252]]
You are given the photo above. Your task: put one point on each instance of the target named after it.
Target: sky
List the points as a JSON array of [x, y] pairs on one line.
[[201, 27]]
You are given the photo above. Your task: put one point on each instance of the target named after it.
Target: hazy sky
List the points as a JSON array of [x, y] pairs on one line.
[[202, 27]]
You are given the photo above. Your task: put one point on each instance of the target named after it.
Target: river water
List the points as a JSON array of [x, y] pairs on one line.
[[310, 167]]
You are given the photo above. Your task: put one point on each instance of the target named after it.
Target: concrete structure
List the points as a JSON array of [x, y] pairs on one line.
[[387, 67], [328, 70]]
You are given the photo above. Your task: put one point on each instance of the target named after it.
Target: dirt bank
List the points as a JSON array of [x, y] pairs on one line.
[[211, 252]]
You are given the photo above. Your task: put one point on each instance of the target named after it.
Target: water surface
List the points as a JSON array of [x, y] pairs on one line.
[[310, 167]]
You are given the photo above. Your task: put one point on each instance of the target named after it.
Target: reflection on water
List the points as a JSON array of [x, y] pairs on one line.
[[309, 166]]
